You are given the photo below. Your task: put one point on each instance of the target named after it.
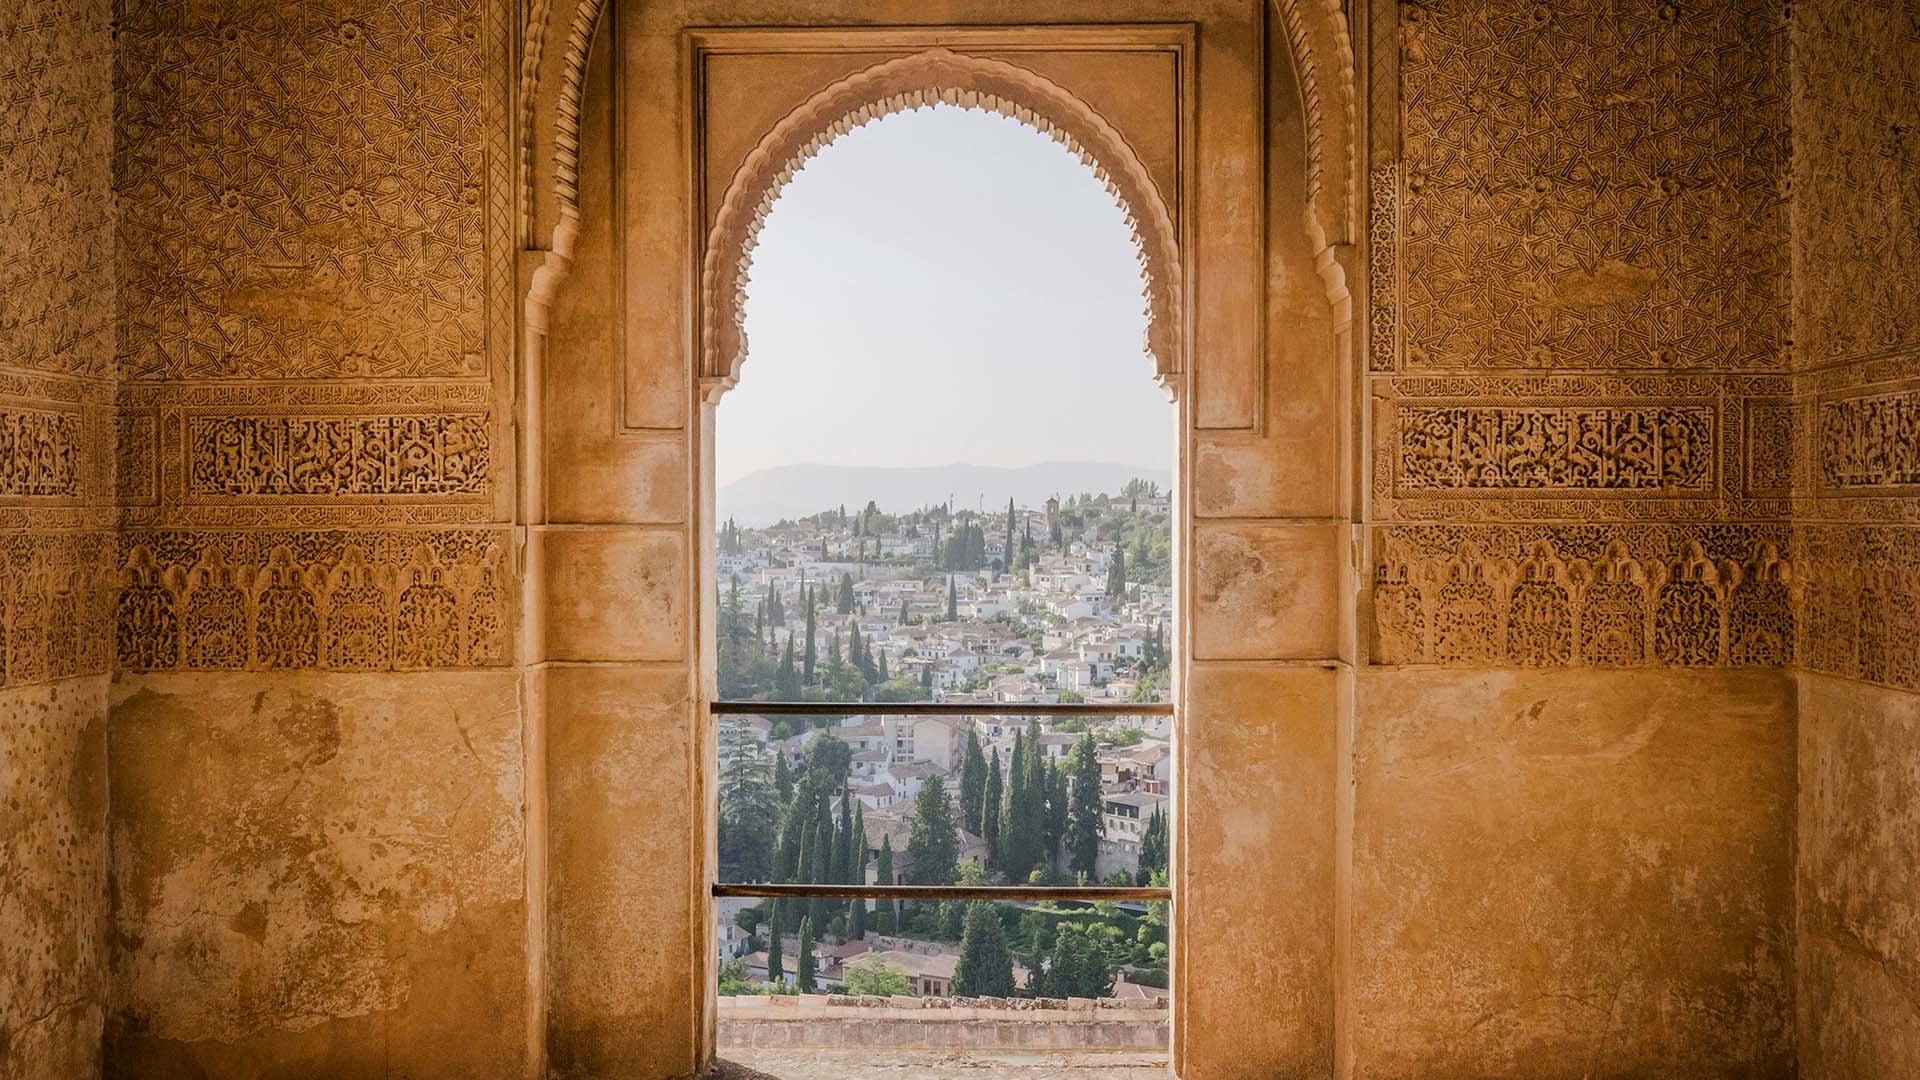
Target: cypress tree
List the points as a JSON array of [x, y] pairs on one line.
[[1117, 576], [775, 975], [953, 600], [1153, 848], [786, 684], [986, 963], [782, 778], [1034, 812], [1007, 557], [990, 813], [803, 869], [806, 671], [837, 872], [1083, 826], [879, 666], [904, 619], [933, 845], [887, 916], [1058, 810], [803, 977], [846, 593], [1017, 852], [973, 783]]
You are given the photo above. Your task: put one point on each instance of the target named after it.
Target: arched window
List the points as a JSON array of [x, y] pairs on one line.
[[943, 570]]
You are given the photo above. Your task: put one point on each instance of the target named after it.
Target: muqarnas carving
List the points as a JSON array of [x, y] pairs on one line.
[[355, 601], [1860, 596], [39, 454], [1871, 441], [1604, 225], [1681, 596], [338, 456], [1576, 448]]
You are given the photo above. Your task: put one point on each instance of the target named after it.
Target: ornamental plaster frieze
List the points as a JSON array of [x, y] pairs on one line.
[[331, 600], [1592, 596], [56, 597], [1857, 267], [1606, 233], [1581, 448], [309, 249], [1860, 602]]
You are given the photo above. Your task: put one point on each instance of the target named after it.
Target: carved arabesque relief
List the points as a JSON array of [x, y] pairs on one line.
[[1620, 596], [56, 602], [56, 186], [1592, 186], [1860, 595], [350, 601], [1620, 448], [924, 80], [356, 224], [1870, 440], [1856, 182], [337, 456]]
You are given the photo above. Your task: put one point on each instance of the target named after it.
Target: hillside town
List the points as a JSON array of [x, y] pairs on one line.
[[1067, 602]]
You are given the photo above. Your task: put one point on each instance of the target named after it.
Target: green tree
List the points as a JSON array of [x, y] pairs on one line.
[[775, 973], [886, 916], [973, 783], [1083, 825], [786, 682], [830, 754], [1058, 812], [1153, 847], [932, 845], [812, 657], [986, 963], [1117, 577], [782, 778], [803, 976], [749, 814], [1021, 824], [990, 799], [876, 977], [953, 600], [1008, 554], [846, 593]]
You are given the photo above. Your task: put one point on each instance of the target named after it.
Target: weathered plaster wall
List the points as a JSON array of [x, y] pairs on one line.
[[1571, 823], [318, 861], [53, 874], [1856, 309], [317, 874], [1573, 876], [56, 520]]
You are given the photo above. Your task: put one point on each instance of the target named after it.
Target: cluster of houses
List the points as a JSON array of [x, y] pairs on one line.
[[981, 637]]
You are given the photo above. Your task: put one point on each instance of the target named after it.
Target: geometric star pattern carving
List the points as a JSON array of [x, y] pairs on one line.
[[1593, 185], [304, 188], [56, 201], [1856, 109]]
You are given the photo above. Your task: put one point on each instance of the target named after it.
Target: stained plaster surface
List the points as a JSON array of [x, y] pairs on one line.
[[1859, 881], [317, 875], [1573, 874], [53, 871]]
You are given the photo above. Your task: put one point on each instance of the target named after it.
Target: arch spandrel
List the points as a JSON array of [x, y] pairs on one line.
[[922, 80]]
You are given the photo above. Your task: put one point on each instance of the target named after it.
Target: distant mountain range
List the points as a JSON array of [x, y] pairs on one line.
[[794, 491]]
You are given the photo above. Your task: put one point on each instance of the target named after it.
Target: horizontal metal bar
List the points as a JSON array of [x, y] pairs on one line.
[[938, 708], [942, 892]]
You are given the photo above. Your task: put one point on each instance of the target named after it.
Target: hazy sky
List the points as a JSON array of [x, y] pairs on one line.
[[944, 286]]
